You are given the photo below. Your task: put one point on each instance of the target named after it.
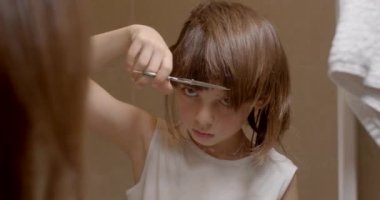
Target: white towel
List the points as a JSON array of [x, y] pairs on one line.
[[354, 61]]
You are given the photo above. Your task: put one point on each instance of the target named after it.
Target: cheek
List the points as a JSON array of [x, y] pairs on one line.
[[234, 119], [185, 108], [244, 110]]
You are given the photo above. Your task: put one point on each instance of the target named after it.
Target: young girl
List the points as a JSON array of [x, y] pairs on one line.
[[215, 144]]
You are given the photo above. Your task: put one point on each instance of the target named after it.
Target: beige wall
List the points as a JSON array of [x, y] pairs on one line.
[[368, 167], [306, 28]]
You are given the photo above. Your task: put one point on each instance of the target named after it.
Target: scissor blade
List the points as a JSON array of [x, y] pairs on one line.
[[207, 85], [186, 81]]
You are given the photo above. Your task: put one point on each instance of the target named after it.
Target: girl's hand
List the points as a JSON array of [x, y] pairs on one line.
[[147, 51]]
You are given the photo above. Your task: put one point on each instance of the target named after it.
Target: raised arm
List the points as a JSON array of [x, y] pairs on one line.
[[143, 49]]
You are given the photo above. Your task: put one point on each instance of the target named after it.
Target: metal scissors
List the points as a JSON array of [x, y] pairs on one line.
[[186, 81]]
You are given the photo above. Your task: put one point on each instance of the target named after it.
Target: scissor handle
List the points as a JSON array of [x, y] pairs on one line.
[[153, 74], [147, 73]]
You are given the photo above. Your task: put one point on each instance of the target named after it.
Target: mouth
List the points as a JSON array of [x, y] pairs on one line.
[[202, 134]]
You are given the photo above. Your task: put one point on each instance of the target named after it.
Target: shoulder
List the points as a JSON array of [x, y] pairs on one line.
[[277, 157], [280, 163], [277, 167], [162, 137], [282, 168], [171, 133]]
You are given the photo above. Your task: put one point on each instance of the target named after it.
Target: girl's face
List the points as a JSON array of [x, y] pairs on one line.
[[208, 117]]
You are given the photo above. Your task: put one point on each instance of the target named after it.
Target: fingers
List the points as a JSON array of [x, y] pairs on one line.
[[165, 68], [154, 66], [142, 63], [161, 81], [149, 52], [132, 59], [132, 55]]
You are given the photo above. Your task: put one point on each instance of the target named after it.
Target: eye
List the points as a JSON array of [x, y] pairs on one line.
[[190, 92], [226, 102]]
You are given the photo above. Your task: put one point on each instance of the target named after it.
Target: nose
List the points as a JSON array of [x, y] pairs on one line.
[[204, 118]]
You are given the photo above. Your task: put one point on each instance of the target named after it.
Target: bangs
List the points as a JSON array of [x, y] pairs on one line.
[[202, 61], [199, 58], [213, 63]]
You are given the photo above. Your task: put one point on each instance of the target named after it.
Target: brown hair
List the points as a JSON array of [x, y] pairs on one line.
[[228, 43], [43, 70]]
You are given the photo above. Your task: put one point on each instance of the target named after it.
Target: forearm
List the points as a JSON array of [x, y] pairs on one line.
[[109, 46]]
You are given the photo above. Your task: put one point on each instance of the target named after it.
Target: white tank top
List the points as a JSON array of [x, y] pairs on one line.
[[172, 172]]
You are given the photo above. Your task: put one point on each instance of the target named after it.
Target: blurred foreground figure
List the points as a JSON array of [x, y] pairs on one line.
[[43, 70]]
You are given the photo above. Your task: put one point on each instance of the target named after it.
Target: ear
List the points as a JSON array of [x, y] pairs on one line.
[[258, 104]]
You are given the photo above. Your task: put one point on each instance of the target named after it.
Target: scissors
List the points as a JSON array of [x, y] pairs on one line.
[[186, 81]]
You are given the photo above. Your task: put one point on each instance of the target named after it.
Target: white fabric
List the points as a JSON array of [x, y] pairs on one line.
[[173, 172], [354, 62]]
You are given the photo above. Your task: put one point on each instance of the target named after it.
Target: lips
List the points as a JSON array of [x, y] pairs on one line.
[[202, 134]]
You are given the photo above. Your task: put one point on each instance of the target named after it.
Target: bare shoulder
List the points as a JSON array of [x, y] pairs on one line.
[[292, 190]]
